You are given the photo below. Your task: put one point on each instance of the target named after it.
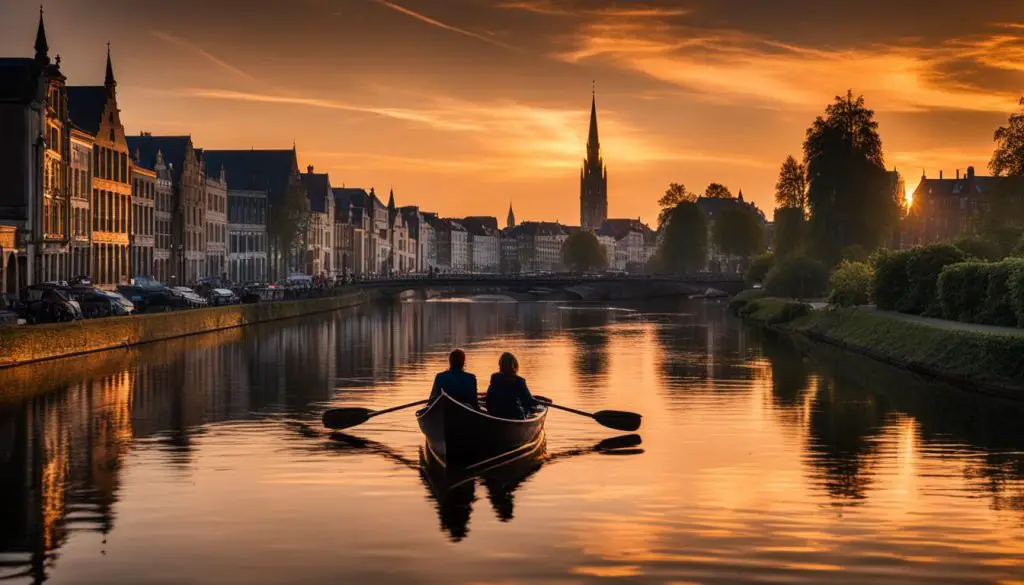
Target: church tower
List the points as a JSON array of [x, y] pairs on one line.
[[593, 179], [510, 221]]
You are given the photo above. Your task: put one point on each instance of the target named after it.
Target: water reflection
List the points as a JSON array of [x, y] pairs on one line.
[[748, 437]]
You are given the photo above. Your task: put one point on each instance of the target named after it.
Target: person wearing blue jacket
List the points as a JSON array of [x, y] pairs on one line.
[[456, 381]]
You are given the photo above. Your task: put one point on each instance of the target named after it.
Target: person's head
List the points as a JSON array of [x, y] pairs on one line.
[[457, 360], [508, 365]]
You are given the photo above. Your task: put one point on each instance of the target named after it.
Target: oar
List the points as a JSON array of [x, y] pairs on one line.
[[343, 418], [614, 419]]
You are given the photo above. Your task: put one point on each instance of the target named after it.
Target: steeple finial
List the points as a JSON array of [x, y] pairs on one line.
[[109, 79], [42, 49]]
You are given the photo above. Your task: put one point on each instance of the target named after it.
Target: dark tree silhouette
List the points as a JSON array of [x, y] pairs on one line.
[[674, 195], [1008, 158], [718, 191], [851, 198], [581, 252], [738, 232], [684, 243], [791, 188]]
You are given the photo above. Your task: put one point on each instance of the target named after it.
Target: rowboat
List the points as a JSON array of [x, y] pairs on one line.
[[461, 436]]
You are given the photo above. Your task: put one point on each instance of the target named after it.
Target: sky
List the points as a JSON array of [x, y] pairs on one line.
[[463, 106]]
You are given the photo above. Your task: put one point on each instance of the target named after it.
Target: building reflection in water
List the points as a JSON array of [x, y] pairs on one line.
[[66, 426]]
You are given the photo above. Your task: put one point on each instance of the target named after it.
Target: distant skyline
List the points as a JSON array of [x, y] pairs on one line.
[[464, 105]]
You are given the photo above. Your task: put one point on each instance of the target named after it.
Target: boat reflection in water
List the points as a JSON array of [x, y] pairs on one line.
[[454, 490]]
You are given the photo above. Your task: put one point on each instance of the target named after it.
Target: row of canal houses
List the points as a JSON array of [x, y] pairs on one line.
[[80, 197]]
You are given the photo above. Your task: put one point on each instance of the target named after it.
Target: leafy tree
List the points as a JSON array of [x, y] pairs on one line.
[[796, 277], [674, 195], [852, 198], [979, 247], [288, 221], [1008, 158], [851, 284], [791, 188], [581, 252], [684, 241], [759, 268], [790, 228], [737, 231], [717, 191]]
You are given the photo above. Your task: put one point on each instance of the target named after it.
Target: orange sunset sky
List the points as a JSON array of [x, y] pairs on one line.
[[464, 105]]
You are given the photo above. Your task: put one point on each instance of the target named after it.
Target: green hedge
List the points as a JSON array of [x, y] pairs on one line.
[[1000, 308], [770, 311], [851, 284], [797, 277], [962, 291], [908, 280]]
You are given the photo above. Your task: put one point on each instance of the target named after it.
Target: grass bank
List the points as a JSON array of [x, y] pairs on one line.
[[988, 362], [26, 344]]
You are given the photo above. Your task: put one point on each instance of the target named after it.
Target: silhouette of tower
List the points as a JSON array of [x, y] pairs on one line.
[[510, 222], [593, 179]]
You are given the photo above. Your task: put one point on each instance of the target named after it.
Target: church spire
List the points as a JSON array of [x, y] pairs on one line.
[[510, 222], [109, 81], [42, 49], [593, 144]]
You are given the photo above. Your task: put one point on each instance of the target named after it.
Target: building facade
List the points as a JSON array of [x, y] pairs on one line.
[[34, 163], [187, 260], [142, 238], [94, 109], [320, 230], [593, 180], [163, 220], [216, 222], [944, 208], [247, 236], [81, 194]]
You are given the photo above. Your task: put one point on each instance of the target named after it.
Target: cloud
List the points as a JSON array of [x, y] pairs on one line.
[[183, 43], [552, 8], [735, 68], [424, 18]]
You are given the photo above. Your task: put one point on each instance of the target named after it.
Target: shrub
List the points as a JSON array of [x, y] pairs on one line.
[[759, 267], [741, 300], [891, 280], [774, 311], [999, 306], [980, 248], [796, 277], [1015, 283], [855, 253], [962, 289], [851, 284], [923, 267]]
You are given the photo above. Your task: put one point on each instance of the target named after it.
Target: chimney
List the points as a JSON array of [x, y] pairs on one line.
[[970, 173], [958, 174], [309, 169], [940, 175]]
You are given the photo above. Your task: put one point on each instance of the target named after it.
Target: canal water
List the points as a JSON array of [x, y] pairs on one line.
[[763, 459]]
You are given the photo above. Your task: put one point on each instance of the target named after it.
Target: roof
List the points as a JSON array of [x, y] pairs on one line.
[[19, 79], [540, 228], [965, 186], [713, 205], [318, 189], [143, 149], [479, 223], [85, 106], [256, 170], [620, 228]]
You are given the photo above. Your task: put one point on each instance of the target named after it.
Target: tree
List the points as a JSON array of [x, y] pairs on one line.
[[789, 231], [791, 188], [288, 221], [674, 195], [717, 191], [738, 231], [684, 240], [581, 252], [1008, 158], [852, 198]]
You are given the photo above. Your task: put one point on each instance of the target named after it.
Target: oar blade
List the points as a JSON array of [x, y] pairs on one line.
[[618, 419], [343, 418]]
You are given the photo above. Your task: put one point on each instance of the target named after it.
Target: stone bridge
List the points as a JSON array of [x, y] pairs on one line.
[[560, 287]]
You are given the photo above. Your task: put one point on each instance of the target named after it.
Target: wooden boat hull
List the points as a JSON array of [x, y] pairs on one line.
[[459, 435]]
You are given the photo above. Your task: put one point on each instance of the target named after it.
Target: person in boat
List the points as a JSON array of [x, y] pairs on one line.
[[507, 394], [456, 381]]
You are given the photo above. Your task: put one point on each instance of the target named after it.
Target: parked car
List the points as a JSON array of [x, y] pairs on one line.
[[193, 300], [101, 303], [49, 303], [221, 296], [150, 300]]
